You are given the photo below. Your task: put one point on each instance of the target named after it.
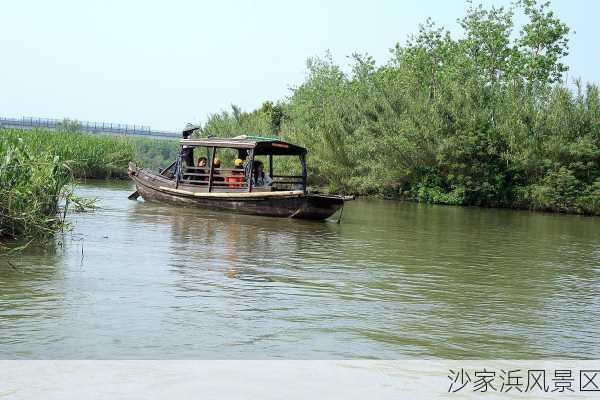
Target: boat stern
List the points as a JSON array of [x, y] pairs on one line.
[[319, 207]]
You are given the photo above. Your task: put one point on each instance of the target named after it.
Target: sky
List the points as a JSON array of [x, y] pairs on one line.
[[166, 63]]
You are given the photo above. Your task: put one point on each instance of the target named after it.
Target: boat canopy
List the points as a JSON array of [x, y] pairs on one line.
[[262, 145]]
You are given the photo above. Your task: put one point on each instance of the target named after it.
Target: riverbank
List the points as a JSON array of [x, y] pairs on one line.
[[501, 147]]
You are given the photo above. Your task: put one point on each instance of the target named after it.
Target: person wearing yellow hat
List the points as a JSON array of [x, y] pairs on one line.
[[216, 168], [236, 180]]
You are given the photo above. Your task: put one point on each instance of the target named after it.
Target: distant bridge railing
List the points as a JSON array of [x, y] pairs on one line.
[[86, 126]]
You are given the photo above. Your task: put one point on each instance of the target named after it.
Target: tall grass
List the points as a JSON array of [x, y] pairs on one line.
[[31, 185], [38, 169], [89, 156]]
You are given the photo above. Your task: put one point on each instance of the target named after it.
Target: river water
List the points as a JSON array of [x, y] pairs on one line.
[[393, 280]]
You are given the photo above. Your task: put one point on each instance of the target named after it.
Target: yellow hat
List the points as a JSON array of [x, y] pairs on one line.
[[238, 162], [216, 162]]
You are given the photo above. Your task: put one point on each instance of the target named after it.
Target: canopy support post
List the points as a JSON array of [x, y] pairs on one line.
[[251, 175], [178, 168], [210, 169], [304, 173]]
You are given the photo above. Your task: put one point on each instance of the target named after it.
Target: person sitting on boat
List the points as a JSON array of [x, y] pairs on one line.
[[259, 178], [216, 173], [236, 179], [202, 161]]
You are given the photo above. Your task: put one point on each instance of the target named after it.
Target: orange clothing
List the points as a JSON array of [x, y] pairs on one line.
[[236, 180]]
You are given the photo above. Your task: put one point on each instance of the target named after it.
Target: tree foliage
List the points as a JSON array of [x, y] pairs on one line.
[[483, 119]]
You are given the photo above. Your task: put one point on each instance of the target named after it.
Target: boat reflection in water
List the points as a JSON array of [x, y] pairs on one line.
[[236, 245]]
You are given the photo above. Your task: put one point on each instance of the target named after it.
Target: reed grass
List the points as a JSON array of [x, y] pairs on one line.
[[89, 156], [38, 169], [31, 185]]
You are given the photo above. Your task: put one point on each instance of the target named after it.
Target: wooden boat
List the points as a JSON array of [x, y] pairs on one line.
[[235, 189]]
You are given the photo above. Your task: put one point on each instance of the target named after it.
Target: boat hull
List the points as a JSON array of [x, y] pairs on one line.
[[291, 204]]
